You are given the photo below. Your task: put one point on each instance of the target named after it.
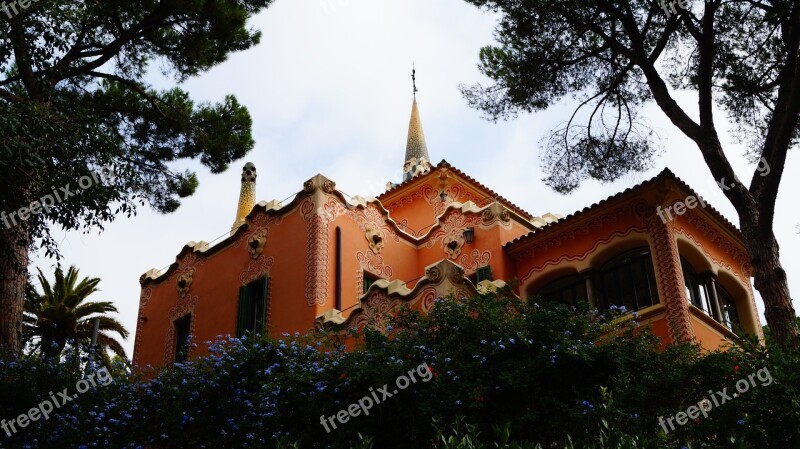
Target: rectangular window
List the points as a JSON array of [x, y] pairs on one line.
[[625, 284], [369, 279], [651, 283], [730, 317], [183, 327], [610, 287], [252, 307], [484, 274], [692, 289], [705, 298]]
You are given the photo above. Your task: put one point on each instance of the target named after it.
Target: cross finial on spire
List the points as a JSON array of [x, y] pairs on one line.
[[414, 78]]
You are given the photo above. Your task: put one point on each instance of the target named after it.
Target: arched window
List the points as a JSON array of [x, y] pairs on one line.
[[627, 280], [696, 288], [730, 317], [706, 293], [569, 290]]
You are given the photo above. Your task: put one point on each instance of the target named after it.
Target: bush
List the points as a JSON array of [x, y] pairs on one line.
[[490, 371]]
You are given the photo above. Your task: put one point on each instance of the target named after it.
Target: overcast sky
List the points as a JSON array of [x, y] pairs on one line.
[[329, 90]]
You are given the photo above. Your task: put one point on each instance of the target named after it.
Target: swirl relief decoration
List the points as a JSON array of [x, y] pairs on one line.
[[376, 311], [451, 232], [472, 261]]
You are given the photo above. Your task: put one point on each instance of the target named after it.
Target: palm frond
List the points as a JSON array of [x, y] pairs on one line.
[[107, 342], [93, 308], [107, 324], [60, 314]]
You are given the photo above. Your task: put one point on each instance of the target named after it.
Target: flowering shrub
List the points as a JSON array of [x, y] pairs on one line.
[[503, 370]]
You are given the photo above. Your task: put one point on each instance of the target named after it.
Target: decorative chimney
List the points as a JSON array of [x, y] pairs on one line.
[[247, 195]]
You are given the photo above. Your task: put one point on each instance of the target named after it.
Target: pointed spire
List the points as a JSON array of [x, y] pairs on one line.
[[416, 146], [417, 159]]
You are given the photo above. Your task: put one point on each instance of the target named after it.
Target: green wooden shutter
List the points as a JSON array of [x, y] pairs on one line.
[[245, 320], [260, 288], [484, 274], [368, 281]]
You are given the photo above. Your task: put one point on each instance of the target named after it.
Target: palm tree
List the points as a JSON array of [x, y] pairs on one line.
[[59, 316]]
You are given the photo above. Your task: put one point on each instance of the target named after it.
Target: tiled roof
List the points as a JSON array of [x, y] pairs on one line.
[[665, 175], [445, 164]]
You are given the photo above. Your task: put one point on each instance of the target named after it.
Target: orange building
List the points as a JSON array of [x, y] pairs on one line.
[[656, 248]]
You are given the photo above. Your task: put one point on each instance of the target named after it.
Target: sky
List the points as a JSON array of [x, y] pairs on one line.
[[329, 91]]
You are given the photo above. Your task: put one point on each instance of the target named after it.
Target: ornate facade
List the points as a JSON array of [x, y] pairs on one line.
[[325, 258]]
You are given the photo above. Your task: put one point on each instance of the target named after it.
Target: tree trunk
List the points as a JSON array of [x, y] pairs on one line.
[[771, 282], [14, 257]]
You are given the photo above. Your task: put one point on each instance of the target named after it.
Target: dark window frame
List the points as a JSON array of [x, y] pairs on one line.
[[483, 273], [568, 293], [183, 330], [252, 309], [616, 281], [726, 305], [369, 279], [697, 284]]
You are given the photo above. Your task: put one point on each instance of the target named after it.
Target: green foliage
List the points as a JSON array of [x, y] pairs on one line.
[[60, 315], [614, 57], [503, 374], [768, 333], [73, 99]]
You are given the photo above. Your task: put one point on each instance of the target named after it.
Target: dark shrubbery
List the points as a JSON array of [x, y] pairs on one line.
[[502, 370]]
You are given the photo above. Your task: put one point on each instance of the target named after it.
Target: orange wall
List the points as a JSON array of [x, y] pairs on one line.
[[419, 204], [618, 226], [214, 291], [311, 221], [559, 246], [396, 260], [219, 272], [705, 334]]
